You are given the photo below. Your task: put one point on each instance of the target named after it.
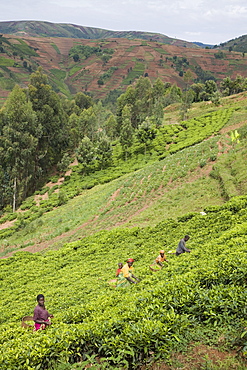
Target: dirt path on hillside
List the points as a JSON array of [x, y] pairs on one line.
[[225, 130], [7, 224]]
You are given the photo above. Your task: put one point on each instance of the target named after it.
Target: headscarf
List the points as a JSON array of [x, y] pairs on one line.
[[130, 260], [162, 251]]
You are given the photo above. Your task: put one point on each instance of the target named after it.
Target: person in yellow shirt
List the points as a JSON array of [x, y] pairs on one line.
[[159, 262], [126, 275]]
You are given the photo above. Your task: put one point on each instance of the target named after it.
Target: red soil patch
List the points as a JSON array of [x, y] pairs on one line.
[[51, 184], [225, 130], [115, 195], [7, 224]]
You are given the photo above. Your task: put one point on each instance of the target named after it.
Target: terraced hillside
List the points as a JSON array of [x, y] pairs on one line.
[[117, 63]]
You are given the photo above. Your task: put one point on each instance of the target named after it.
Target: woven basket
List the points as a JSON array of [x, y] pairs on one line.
[[155, 267], [26, 319]]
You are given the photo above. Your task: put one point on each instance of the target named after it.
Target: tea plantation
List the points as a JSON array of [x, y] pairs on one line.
[[204, 291]]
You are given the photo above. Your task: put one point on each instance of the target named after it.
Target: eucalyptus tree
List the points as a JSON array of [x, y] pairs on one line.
[[83, 101], [51, 116], [145, 133], [103, 150], [110, 126], [86, 152], [20, 134], [126, 133], [87, 123]]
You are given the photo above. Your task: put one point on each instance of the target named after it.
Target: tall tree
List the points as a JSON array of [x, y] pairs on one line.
[[87, 123], [103, 151], [51, 116], [126, 133], [111, 126], [19, 140], [86, 153], [198, 88], [83, 101], [158, 89], [73, 126], [146, 133]]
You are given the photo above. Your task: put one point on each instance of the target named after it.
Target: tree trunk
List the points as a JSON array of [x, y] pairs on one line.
[[14, 195]]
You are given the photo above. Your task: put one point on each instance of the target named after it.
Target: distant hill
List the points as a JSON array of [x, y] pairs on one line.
[[203, 45], [47, 29], [238, 44], [99, 65]]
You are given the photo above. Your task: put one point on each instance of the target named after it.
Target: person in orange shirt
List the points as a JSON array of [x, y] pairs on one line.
[[159, 261], [126, 275]]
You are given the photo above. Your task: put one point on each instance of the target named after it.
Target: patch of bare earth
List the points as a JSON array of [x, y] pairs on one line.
[[227, 129], [7, 224]]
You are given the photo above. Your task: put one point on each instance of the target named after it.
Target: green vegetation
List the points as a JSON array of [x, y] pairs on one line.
[[106, 75], [238, 44], [24, 49], [6, 62], [58, 73], [74, 69], [160, 50], [83, 52], [134, 73], [200, 296], [6, 83], [55, 47], [220, 55]]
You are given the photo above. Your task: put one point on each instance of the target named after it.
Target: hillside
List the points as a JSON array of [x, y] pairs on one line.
[[100, 66], [47, 29], [238, 44], [157, 189], [192, 313]]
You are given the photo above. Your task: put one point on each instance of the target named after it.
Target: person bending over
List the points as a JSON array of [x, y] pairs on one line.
[[126, 275], [181, 246]]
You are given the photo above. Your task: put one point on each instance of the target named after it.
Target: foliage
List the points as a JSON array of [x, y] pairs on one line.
[[86, 151], [219, 55], [19, 140], [84, 51], [171, 138]]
